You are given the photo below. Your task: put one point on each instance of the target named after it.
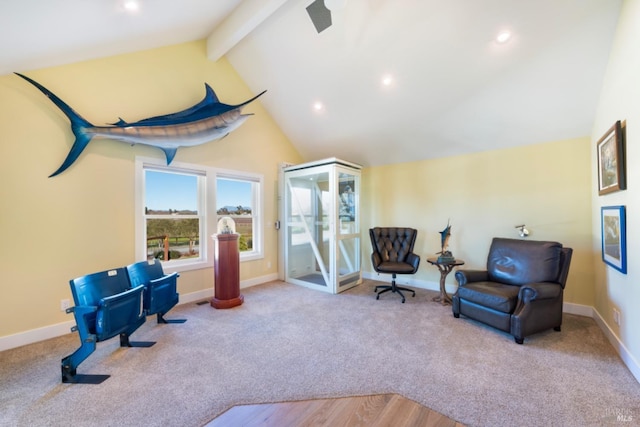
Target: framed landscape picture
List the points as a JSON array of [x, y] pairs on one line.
[[611, 170], [614, 240]]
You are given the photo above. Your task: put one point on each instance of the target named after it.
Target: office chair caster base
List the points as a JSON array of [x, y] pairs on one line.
[[394, 289]]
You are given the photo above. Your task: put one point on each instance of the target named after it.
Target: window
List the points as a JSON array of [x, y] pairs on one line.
[[237, 197], [178, 207], [173, 216]]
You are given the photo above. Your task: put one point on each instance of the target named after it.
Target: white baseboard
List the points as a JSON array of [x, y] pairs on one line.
[[35, 335], [258, 280], [577, 309], [618, 345], [59, 329]]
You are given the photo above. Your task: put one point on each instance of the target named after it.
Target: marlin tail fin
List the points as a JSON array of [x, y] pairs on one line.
[[78, 126]]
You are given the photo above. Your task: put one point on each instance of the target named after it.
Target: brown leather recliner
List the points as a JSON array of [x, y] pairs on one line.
[[521, 290]]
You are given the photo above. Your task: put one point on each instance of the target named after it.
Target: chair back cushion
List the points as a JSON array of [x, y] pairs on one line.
[[518, 262], [90, 289], [143, 272], [393, 244]]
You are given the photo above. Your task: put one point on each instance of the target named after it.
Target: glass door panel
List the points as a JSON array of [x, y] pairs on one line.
[[308, 226], [348, 236], [348, 203], [349, 261]]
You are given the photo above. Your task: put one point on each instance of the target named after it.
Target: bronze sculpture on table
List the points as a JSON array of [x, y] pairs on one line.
[[445, 263], [445, 255]]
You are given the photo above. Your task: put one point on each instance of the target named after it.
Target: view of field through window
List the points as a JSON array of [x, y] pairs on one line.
[[233, 199], [174, 217]]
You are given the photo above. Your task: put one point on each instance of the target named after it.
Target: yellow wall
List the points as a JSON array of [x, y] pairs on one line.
[[545, 186], [620, 100], [82, 221]]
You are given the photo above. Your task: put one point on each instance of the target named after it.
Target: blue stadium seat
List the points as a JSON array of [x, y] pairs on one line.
[[105, 306], [160, 293]]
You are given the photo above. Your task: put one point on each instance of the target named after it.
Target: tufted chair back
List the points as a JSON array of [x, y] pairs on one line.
[[393, 244]]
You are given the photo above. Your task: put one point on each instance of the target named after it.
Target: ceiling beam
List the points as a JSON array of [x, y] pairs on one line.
[[244, 19]]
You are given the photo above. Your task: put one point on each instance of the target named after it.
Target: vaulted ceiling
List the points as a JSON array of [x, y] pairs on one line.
[[450, 88]]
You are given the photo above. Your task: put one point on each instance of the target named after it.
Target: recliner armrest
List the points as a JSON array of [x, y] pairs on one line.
[[538, 291], [468, 276]]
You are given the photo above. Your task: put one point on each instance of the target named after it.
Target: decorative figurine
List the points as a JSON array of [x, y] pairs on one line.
[[445, 255], [226, 225]]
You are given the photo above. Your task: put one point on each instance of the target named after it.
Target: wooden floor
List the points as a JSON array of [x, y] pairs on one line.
[[365, 411]]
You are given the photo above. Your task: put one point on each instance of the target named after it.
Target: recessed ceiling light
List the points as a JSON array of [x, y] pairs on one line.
[[131, 5], [318, 106], [503, 37], [387, 80]]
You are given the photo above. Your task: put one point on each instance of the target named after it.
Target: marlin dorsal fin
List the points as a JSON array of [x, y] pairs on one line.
[[120, 122], [210, 96]]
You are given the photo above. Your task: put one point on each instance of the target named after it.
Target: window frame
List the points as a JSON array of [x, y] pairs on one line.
[[207, 209], [257, 208]]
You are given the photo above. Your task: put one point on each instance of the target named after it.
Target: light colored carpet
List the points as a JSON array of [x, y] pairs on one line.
[[290, 343]]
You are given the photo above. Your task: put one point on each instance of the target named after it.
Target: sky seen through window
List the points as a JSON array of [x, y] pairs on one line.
[[176, 191]]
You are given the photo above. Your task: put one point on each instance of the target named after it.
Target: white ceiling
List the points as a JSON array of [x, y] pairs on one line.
[[455, 90]]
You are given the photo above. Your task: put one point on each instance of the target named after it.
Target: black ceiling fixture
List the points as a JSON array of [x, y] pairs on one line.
[[320, 15]]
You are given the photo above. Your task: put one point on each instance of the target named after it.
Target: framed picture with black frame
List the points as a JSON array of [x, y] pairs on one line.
[[611, 160], [614, 237]]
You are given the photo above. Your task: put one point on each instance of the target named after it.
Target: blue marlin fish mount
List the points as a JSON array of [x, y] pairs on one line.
[[206, 121]]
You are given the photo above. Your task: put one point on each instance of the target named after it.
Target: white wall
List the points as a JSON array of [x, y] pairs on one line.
[[620, 100]]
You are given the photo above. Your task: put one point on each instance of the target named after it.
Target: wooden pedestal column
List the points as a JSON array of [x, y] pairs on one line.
[[227, 271]]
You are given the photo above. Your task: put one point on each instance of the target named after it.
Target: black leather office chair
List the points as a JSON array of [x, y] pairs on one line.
[[393, 254]]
